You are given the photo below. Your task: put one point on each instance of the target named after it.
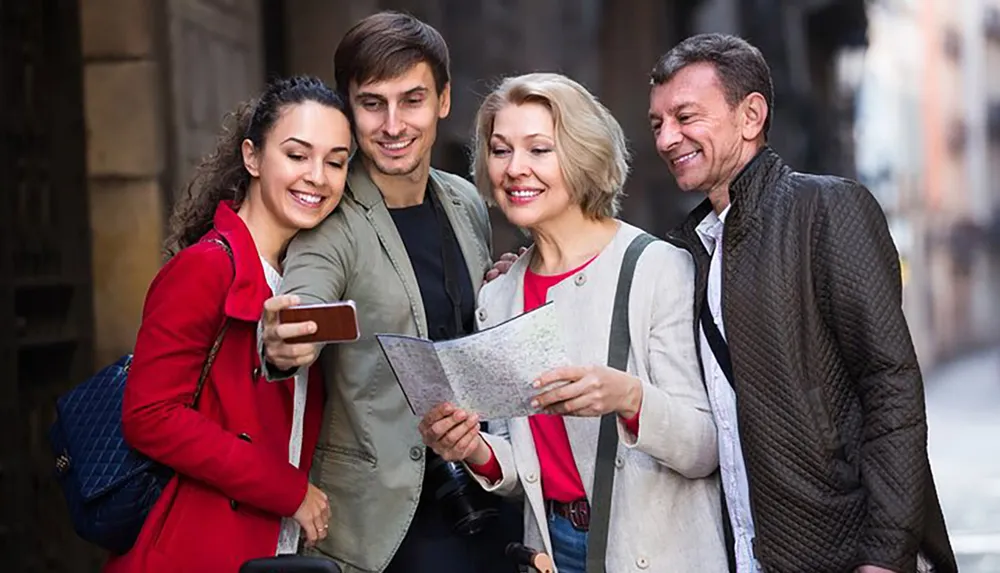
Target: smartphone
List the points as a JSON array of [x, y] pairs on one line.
[[335, 321], [290, 564]]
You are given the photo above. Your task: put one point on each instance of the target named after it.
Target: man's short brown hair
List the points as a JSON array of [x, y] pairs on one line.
[[740, 67], [386, 45]]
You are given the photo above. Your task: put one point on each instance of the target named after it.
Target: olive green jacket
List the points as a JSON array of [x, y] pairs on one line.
[[370, 457]]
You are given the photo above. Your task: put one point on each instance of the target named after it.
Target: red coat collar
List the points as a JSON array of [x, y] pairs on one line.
[[249, 290]]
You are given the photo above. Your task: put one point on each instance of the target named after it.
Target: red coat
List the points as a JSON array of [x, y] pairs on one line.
[[231, 455]]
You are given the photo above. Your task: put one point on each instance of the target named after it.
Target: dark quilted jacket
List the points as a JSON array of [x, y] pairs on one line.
[[829, 394]]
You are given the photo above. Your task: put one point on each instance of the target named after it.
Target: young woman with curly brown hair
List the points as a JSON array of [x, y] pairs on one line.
[[242, 455]]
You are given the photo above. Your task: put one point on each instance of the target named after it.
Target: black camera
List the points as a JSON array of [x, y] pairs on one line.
[[465, 505], [290, 564]]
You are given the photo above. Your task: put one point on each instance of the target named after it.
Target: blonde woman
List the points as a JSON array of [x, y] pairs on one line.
[[554, 160]]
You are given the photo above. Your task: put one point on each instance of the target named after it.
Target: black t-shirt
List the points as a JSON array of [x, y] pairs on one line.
[[422, 228], [431, 544]]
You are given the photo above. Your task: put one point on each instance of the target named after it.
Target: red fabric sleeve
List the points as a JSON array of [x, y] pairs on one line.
[[490, 470], [181, 319], [632, 424]]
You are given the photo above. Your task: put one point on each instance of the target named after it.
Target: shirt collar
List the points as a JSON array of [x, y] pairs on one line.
[[710, 228]]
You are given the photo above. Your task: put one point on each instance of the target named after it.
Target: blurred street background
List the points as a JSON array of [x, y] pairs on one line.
[[105, 105], [963, 399]]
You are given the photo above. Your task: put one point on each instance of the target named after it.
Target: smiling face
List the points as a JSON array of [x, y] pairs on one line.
[[302, 165], [528, 182], [702, 138], [396, 119]]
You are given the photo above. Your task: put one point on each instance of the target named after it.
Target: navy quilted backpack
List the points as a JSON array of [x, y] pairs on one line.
[[108, 486]]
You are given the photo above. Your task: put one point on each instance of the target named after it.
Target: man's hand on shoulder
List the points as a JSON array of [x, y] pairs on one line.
[[503, 264]]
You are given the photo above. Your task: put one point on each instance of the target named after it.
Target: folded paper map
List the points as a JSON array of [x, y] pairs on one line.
[[489, 372]]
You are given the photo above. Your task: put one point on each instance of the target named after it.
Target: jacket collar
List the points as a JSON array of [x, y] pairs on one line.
[[755, 177], [744, 196], [510, 285], [688, 228], [361, 187], [249, 290], [363, 191]]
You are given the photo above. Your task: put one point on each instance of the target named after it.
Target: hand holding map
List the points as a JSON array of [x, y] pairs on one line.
[[489, 372]]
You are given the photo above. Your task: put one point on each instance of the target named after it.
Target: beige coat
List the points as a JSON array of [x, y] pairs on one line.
[[666, 514]]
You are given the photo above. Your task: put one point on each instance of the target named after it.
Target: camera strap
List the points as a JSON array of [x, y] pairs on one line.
[[607, 442]]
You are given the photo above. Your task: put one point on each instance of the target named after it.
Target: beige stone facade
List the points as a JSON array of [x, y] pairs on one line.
[[125, 162], [158, 77]]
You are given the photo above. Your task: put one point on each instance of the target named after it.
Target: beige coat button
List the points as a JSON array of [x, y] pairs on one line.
[[532, 477], [481, 315], [642, 563], [416, 453], [580, 279], [619, 462]]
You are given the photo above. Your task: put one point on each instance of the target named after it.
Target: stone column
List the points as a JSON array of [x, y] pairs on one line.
[[158, 77], [125, 162]]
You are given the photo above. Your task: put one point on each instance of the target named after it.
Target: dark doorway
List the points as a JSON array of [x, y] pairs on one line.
[[45, 293]]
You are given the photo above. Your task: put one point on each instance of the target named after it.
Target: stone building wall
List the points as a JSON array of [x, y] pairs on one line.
[[126, 159], [159, 75]]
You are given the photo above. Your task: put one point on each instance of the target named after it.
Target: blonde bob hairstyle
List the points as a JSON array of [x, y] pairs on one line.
[[589, 142]]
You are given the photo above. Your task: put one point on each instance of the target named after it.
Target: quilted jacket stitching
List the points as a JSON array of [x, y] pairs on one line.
[[824, 532]]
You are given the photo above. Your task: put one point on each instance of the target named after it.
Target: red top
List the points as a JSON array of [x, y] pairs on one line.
[[560, 479], [233, 483]]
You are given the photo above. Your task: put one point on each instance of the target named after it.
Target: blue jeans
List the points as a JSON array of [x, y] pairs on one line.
[[569, 546]]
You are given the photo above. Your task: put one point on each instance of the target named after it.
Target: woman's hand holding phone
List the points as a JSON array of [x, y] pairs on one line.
[[294, 333], [278, 350]]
